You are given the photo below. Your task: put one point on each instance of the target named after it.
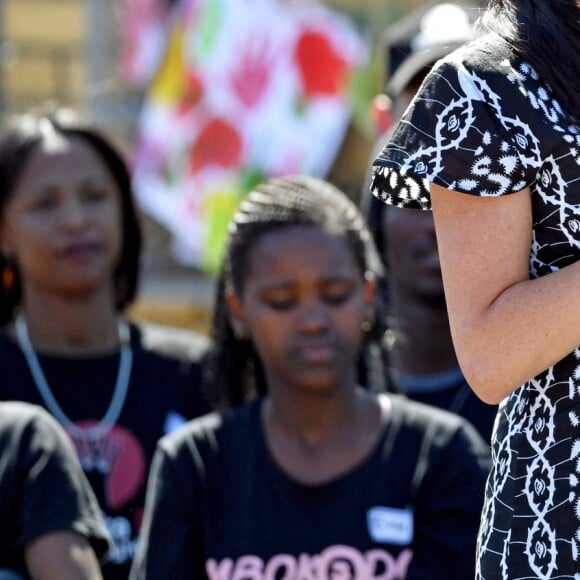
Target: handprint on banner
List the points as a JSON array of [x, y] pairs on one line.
[[251, 78], [234, 99]]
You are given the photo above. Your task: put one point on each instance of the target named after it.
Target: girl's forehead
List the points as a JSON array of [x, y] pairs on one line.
[[291, 239], [294, 249]]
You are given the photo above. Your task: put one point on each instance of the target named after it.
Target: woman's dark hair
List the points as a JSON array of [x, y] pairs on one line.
[[546, 34], [234, 372], [20, 138]]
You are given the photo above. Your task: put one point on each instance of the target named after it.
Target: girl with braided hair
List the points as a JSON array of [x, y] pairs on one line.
[[305, 473]]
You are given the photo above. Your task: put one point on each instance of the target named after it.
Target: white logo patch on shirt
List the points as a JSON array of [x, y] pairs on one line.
[[391, 525]]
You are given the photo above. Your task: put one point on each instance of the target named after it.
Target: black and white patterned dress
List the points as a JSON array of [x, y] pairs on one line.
[[484, 124]]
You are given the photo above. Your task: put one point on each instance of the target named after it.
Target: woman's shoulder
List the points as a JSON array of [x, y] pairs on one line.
[[473, 127], [487, 54], [164, 341], [437, 441], [22, 422], [421, 416], [487, 69], [19, 415], [443, 427], [484, 69], [213, 432]]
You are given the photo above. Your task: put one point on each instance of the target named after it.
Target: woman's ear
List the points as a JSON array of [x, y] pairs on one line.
[[236, 314]]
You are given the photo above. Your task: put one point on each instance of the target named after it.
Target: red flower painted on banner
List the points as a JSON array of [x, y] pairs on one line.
[[218, 143], [322, 69], [250, 79], [193, 91]]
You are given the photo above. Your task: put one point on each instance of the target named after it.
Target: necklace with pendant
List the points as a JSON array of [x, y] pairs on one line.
[[91, 442]]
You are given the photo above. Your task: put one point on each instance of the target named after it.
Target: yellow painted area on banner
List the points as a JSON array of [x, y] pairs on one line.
[[168, 86], [218, 208]]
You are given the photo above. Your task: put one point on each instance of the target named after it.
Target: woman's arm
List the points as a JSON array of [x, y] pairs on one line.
[[506, 328], [62, 555]]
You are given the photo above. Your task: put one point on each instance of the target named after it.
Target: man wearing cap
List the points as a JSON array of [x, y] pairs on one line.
[[423, 362]]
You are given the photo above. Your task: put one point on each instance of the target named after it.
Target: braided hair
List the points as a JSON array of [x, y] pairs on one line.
[[234, 372]]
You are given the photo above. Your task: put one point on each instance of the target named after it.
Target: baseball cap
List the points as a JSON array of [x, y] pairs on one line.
[[423, 37]]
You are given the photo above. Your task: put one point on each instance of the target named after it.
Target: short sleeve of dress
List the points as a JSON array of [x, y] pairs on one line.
[[462, 131]]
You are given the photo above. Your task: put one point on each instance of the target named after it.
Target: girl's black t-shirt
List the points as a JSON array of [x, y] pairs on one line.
[[220, 506]]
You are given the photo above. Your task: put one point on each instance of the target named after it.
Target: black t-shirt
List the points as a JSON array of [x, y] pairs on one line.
[[219, 506], [42, 486], [164, 392], [450, 391]]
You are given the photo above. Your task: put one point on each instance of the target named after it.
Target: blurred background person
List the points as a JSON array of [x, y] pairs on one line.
[[50, 522], [411, 45], [422, 359], [70, 246]]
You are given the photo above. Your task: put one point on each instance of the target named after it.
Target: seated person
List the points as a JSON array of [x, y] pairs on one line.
[[50, 522]]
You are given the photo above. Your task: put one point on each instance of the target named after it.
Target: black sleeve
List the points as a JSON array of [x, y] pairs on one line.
[[54, 494], [170, 544], [448, 505], [459, 133]]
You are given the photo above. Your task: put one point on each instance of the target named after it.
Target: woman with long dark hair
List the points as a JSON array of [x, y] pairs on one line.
[[69, 264], [492, 144]]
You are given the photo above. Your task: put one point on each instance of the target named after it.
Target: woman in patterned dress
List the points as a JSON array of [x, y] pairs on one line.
[[499, 120]]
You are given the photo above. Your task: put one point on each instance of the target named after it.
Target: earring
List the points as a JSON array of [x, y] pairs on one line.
[[8, 277], [366, 326]]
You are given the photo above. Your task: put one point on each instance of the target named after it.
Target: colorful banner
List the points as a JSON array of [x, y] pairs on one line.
[[247, 89], [142, 39]]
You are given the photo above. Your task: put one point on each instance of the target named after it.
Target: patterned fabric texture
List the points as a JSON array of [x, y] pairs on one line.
[[485, 124]]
